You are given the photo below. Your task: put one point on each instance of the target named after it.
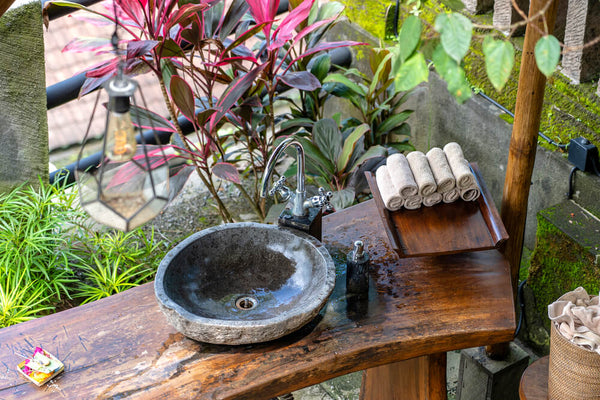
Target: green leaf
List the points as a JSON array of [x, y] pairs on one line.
[[392, 122], [372, 152], [169, 48], [410, 35], [350, 145], [411, 73], [499, 60], [453, 74], [343, 198], [328, 138], [320, 163], [382, 70], [456, 32], [547, 54], [320, 66], [339, 78]]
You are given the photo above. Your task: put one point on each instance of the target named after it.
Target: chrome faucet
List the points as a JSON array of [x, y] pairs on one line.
[[300, 206]]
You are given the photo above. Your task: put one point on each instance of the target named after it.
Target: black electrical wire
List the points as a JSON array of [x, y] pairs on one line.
[[507, 111], [521, 301], [571, 176]]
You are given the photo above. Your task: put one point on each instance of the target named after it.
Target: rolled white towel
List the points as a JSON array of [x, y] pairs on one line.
[[422, 173], [444, 178], [390, 196], [432, 199], [402, 176], [413, 202], [470, 194], [459, 165], [451, 196]]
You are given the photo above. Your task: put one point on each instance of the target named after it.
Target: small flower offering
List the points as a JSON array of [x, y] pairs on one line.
[[41, 367]]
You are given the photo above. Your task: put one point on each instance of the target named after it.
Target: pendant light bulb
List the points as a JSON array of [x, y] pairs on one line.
[[120, 132]]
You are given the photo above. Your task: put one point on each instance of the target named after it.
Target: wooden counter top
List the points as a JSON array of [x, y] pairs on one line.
[[122, 346]]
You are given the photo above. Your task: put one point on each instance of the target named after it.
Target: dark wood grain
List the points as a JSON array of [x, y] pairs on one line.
[[421, 378], [122, 346], [534, 382], [443, 228]]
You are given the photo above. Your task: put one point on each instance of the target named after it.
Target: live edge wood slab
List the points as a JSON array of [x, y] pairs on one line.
[[122, 346]]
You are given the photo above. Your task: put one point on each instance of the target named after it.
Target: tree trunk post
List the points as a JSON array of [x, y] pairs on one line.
[[523, 144]]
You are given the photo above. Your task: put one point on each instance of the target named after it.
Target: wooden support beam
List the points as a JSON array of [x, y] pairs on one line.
[[523, 146], [421, 378], [5, 5]]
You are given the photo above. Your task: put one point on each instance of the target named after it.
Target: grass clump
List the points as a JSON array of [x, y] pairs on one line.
[[52, 258]]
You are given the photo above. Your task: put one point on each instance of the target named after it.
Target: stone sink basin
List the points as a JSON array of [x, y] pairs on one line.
[[244, 283]]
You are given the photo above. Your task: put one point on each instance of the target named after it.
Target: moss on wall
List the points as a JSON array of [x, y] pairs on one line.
[[569, 110], [558, 265]]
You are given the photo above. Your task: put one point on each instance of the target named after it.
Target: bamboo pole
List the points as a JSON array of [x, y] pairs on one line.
[[523, 144]]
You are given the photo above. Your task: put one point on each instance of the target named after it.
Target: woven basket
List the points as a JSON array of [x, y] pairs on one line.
[[574, 373]]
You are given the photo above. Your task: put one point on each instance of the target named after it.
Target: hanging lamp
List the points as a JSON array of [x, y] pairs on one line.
[[130, 186]]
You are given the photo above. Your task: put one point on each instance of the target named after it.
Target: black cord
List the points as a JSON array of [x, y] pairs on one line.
[[521, 301], [506, 110], [571, 175]]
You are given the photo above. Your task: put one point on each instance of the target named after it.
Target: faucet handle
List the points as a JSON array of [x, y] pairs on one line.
[[280, 188], [321, 200]]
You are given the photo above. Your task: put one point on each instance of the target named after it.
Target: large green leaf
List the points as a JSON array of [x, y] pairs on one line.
[[499, 60], [328, 138], [455, 30], [350, 145], [339, 78], [320, 66], [392, 122], [453, 74], [547, 54], [410, 35], [316, 162], [381, 74], [372, 152], [343, 198], [411, 73]]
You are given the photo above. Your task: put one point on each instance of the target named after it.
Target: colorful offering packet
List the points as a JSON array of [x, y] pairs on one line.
[[41, 367]]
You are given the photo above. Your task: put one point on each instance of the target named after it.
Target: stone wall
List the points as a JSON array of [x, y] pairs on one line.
[[23, 123]]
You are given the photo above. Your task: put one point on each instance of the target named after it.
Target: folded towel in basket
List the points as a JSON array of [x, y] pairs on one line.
[[459, 166], [444, 178], [389, 194], [422, 173], [402, 176]]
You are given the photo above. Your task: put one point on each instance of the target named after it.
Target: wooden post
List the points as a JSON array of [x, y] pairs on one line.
[[5, 5], [421, 378], [523, 145]]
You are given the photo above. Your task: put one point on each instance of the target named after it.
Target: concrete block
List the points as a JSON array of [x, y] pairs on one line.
[[23, 122], [481, 378]]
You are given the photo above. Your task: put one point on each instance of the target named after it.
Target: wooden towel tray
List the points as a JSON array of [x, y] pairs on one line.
[[444, 228]]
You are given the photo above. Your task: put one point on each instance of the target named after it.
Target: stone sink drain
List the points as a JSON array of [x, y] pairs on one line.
[[244, 283]]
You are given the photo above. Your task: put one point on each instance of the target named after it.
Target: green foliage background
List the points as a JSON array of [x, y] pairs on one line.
[[569, 110]]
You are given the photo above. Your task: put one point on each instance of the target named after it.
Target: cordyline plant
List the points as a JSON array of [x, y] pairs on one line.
[[208, 74]]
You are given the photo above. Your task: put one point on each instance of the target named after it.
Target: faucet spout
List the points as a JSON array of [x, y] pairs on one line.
[[298, 208]]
